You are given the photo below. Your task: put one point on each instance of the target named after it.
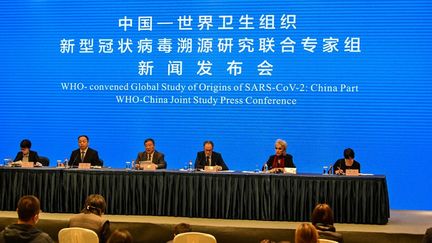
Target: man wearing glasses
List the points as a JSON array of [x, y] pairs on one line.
[[209, 158], [277, 162]]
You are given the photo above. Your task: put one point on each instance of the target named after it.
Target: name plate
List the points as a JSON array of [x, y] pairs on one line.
[[147, 166], [288, 170], [27, 164], [84, 165], [211, 168], [352, 172]]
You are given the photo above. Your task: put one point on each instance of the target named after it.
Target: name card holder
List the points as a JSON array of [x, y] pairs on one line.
[[84, 165], [27, 164], [210, 168], [288, 170], [352, 172], [148, 166]]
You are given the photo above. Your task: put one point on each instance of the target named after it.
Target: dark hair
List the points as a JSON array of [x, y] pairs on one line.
[[348, 153], [208, 141], [149, 140], [80, 136], [94, 204], [182, 228], [25, 143], [120, 236], [323, 214], [28, 206]]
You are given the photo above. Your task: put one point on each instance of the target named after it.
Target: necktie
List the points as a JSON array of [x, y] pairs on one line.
[[149, 157], [82, 156], [208, 160]]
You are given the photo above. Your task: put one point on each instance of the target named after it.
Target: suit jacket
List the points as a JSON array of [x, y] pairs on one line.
[[158, 159], [216, 159], [91, 156], [33, 156], [288, 160], [341, 164]]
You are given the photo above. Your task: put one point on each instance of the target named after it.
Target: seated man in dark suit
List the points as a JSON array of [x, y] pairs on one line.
[[26, 155], [209, 158], [150, 154], [84, 154]]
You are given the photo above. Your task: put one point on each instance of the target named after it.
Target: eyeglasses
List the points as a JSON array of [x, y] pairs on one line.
[[278, 148]]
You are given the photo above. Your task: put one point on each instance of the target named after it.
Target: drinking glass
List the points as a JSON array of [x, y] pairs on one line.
[[128, 165]]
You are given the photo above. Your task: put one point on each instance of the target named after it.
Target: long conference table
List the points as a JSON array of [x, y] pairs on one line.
[[224, 195]]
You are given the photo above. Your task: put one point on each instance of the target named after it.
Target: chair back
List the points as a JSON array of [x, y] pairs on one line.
[[326, 241], [44, 160], [194, 237], [77, 235]]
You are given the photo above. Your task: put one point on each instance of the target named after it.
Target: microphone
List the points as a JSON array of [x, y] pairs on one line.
[[330, 170], [73, 162]]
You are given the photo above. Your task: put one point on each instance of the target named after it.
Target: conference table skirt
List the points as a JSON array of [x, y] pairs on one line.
[[254, 196]]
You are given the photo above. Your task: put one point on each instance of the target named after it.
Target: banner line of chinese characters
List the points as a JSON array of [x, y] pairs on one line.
[[210, 45], [207, 22]]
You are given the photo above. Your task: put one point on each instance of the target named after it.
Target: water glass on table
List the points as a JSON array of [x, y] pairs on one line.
[[128, 165]]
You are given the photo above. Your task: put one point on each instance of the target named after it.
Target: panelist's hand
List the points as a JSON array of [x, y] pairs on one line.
[[276, 170], [218, 167], [339, 171]]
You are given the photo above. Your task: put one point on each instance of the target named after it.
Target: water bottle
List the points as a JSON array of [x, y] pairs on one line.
[[190, 168], [265, 168], [133, 164], [330, 170], [66, 163]]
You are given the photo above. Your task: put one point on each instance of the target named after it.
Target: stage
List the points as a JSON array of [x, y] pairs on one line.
[[403, 226]]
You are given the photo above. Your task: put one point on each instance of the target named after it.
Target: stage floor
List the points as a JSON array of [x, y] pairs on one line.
[[401, 221]]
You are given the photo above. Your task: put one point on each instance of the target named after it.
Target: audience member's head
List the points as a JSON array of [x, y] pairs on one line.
[[267, 241], [182, 228], [95, 204], [322, 214], [120, 236], [28, 210], [306, 233]]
